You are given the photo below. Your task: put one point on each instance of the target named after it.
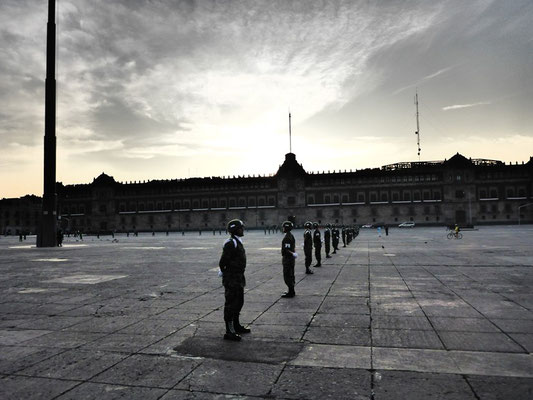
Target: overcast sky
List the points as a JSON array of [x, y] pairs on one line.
[[161, 89]]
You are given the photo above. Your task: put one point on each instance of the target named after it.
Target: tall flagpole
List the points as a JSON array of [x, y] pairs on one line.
[[47, 234], [417, 133], [290, 134]]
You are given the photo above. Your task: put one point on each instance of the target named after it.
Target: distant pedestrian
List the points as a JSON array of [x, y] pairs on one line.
[[232, 265], [288, 257], [59, 235], [386, 230]]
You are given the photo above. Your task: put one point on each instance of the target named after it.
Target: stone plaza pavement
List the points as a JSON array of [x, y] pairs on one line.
[[408, 316]]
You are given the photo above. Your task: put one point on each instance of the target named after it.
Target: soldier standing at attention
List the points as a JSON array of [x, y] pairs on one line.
[[232, 265], [308, 247], [317, 241], [289, 255], [335, 239], [343, 236], [327, 239]]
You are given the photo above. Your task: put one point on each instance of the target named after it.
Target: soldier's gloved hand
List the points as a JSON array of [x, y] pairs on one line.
[[220, 274], [295, 255]]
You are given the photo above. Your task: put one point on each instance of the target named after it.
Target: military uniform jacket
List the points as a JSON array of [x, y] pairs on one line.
[[317, 238], [327, 235], [308, 239], [335, 233], [288, 246], [233, 262]]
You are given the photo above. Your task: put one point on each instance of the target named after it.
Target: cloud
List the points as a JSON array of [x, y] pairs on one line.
[[460, 106]]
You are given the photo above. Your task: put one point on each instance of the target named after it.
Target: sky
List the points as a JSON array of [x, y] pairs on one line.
[[166, 89]]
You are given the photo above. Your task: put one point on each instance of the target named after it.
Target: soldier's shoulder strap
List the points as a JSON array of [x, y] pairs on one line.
[[231, 240]]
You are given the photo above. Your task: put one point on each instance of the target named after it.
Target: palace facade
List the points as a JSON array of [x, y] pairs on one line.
[[457, 190]]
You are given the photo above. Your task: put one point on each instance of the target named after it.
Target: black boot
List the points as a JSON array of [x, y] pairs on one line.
[[238, 327], [308, 271], [230, 332], [290, 294], [317, 266]]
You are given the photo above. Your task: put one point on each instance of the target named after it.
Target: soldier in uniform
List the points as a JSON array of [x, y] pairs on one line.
[[232, 265], [289, 255], [335, 239], [317, 242], [308, 247], [343, 236], [327, 239]]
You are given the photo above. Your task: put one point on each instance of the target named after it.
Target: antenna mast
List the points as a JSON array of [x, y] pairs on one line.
[[417, 133], [290, 134]]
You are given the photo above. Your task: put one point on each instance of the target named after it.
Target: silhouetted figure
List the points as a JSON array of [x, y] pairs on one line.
[[59, 236]]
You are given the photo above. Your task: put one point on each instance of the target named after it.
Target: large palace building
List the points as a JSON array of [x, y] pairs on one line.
[[458, 190]]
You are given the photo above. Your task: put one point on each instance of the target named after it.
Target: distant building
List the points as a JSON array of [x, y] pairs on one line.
[[20, 215], [458, 190]]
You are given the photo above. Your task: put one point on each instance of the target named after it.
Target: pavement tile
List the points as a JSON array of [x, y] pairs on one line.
[[232, 377], [394, 385], [18, 336], [15, 358], [463, 324], [148, 371], [524, 339], [480, 341], [514, 325], [73, 364], [90, 391], [444, 311], [337, 335], [288, 318], [124, 343], [323, 383], [419, 360], [155, 326], [25, 387], [493, 364], [52, 323], [404, 322], [408, 338], [190, 395], [341, 320], [335, 356], [500, 388], [64, 339], [104, 324], [282, 333]]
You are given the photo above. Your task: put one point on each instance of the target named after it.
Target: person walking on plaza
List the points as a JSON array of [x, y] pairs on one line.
[[308, 247], [317, 242], [327, 239], [232, 265], [288, 258], [335, 239]]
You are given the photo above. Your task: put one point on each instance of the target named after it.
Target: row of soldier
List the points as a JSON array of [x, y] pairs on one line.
[[232, 264]]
